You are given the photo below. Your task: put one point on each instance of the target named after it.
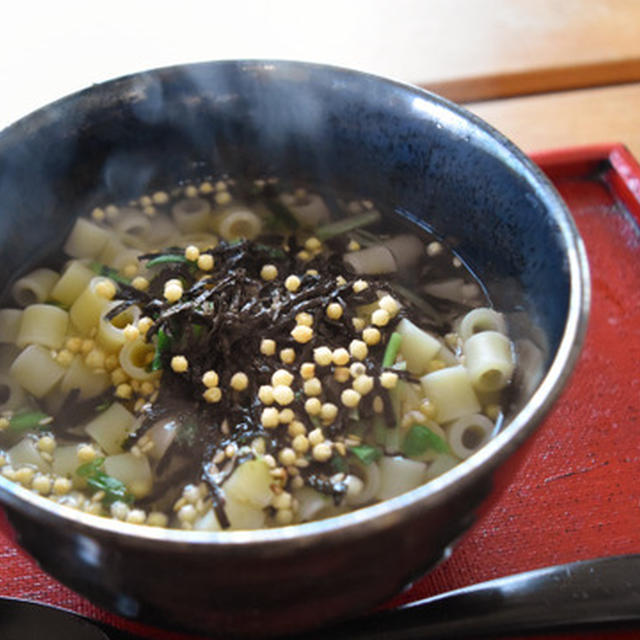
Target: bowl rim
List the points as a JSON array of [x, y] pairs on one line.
[[387, 513]]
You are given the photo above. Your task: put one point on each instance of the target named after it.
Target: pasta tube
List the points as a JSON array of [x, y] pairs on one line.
[[134, 358], [86, 239], [26, 453], [418, 348], [133, 228], [34, 287], [72, 283], [191, 214], [489, 360], [481, 319], [131, 470], [111, 428], [43, 324], [36, 370], [87, 381], [310, 211], [399, 475], [111, 332], [86, 310], [251, 483], [467, 434], [239, 223], [451, 392], [10, 320], [12, 395]]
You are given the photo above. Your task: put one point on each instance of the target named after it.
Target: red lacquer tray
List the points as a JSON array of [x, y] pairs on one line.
[[573, 491]]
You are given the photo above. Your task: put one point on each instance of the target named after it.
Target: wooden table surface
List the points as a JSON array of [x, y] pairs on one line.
[[548, 73]]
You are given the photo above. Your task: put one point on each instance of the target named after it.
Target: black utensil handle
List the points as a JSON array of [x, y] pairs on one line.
[[601, 592]]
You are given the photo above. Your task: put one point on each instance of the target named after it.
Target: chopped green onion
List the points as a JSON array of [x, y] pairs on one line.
[[166, 259], [272, 252], [98, 480], [366, 453], [55, 303], [163, 342], [420, 438], [341, 227], [282, 214], [339, 463], [25, 420], [103, 406], [393, 346], [108, 272]]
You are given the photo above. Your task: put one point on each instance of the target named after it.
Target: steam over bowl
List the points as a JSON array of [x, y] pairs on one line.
[[359, 133]]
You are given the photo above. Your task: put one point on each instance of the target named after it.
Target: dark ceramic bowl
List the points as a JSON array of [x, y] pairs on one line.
[[359, 133]]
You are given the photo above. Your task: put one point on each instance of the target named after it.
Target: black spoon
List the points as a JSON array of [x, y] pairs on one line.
[[602, 592]]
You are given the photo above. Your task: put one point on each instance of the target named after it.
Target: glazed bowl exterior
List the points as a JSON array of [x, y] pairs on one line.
[[423, 156]]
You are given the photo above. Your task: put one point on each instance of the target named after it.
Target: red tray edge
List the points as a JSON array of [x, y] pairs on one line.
[[621, 169]]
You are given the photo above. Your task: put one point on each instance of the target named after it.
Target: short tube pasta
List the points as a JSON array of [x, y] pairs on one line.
[[72, 282], [10, 320], [310, 211], [372, 480], [201, 240], [489, 360], [134, 358], [161, 230], [12, 395], [26, 453], [399, 475], [86, 239], [111, 332], [88, 382], [451, 392], [111, 250], [86, 310], [126, 259], [406, 249], [467, 434], [133, 228], [191, 214], [481, 319], [417, 347], [375, 260], [239, 223], [36, 370], [111, 427], [43, 324], [133, 471], [34, 287], [441, 463]]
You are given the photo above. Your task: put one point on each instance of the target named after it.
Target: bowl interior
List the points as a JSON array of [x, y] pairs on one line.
[[410, 151]]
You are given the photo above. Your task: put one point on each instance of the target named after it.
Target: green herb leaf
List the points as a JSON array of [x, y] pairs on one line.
[[166, 259], [90, 468], [283, 218], [103, 406], [272, 252], [391, 351], [25, 420], [366, 453], [98, 480], [345, 225], [420, 438], [163, 342], [108, 272], [339, 463]]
